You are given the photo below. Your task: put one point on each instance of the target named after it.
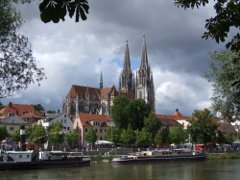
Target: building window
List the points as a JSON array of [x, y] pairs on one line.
[[100, 138], [96, 130], [11, 128], [86, 130], [20, 156], [100, 130], [68, 128]]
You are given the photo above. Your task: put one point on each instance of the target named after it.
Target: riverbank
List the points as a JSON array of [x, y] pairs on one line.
[[210, 156], [234, 155]]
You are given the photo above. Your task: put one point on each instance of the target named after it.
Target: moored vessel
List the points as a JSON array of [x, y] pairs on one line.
[[14, 160], [161, 155]]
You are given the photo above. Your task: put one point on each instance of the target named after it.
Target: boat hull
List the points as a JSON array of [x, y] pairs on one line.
[[159, 159], [44, 164]]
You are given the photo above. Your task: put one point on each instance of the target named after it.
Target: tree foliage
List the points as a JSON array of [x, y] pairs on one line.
[[138, 110], [202, 128], [143, 137], [91, 136], [128, 136], [227, 17], [125, 112], [119, 111], [18, 68], [56, 10], [3, 133], [224, 73], [71, 137], [55, 134], [38, 134], [177, 135], [113, 135]]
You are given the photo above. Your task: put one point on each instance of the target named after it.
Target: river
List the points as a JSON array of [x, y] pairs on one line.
[[205, 170]]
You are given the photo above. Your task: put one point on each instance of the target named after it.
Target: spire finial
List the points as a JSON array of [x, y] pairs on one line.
[[101, 80]]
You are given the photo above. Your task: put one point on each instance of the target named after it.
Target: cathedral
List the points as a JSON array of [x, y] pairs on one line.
[[94, 100]]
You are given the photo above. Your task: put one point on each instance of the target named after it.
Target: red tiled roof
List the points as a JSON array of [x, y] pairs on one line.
[[87, 118], [175, 116], [18, 109], [75, 90]]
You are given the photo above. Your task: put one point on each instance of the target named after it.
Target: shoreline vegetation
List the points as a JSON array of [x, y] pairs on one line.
[[96, 159]]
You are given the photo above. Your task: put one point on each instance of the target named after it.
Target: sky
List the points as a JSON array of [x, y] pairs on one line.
[[75, 53]]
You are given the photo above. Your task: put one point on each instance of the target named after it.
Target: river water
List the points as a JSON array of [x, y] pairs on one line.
[[205, 170]]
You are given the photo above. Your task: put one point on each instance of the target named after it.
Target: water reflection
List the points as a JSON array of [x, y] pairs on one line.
[[214, 169]]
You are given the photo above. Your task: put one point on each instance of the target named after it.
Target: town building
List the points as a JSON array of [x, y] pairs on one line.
[[93, 100], [83, 122], [24, 111], [61, 118]]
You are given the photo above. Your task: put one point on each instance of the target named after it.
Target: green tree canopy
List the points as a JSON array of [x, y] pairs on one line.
[[138, 110], [119, 111], [224, 73], [152, 124], [38, 134], [55, 134], [113, 135], [3, 133], [91, 136], [18, 67], [143, 137], [227, 17], [177, 135], [71, 137], [202, 128], [128, 136]]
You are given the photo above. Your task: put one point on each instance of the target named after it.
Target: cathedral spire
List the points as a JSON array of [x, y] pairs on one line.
[[144, 57], [101, 80], [127, 65]]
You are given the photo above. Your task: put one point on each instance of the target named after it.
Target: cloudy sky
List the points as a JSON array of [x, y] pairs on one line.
[[75, 53]]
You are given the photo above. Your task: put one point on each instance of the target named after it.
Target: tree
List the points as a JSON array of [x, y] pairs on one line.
[[71, 137], [113, 135], [119, 111], [202, 129], [38, 134], [153, 125], [157, 139], [227, 18], [55, 134], [91, 136], [138, 110], [18, 68], [16, 135], [143, 137], [177, 135], [3, 133], [128, 136], [38, 107], [223, 74], [164, 133], [56, 10]]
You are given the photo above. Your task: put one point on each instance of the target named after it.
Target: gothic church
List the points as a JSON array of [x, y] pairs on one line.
[[99, 100]]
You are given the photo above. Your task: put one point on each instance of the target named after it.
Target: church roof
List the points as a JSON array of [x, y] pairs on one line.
[[77, 90]]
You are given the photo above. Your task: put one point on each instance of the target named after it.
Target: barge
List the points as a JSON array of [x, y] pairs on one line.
[[16, 160], [160, 155]]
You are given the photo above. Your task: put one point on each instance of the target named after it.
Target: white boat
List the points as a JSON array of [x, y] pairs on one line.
[[10, 160]]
